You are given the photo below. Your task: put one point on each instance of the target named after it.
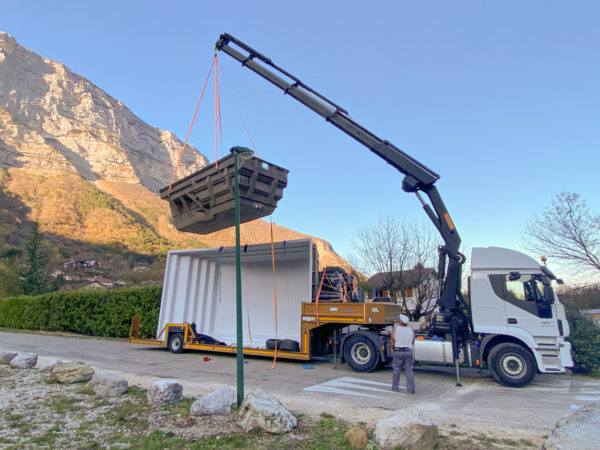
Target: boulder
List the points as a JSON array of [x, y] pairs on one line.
[[47, 367], [217, 402], [24, 360], [106, 385], [6, 357], [578, 430], [165, 391], [73, 372], [408, 430], [261, 410], [357, 437]]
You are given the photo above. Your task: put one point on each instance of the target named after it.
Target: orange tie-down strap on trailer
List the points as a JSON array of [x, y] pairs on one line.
[[274, 293], [190, 129], [319, 292]]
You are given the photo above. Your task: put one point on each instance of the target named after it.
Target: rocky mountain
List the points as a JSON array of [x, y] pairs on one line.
[[86, 169]]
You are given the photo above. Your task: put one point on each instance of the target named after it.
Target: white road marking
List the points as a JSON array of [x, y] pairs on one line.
[[576, 406], [360, 380], [321, 388], [589, 391], [353, 385], [586, 398]]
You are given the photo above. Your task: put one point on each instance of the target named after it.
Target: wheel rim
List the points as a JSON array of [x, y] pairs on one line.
[[513, 365], [361, 353], [175, 343]]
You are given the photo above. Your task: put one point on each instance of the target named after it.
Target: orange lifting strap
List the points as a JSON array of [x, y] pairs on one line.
[[191, 125]]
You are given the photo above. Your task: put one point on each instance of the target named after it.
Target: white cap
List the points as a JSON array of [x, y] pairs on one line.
[[404, 319]]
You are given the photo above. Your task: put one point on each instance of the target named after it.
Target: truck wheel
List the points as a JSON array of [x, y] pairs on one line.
[[361, 354], [176, 343], [511, 365]]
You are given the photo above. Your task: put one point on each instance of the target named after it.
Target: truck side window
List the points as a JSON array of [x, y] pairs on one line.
[[526, 293]]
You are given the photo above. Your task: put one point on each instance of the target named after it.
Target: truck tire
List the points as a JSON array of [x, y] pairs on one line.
[[511, 365], [176, 343], [361, 354], [271, 343], [289, 345]]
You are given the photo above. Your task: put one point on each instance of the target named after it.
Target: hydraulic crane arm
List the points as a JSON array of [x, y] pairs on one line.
[[418, 177]]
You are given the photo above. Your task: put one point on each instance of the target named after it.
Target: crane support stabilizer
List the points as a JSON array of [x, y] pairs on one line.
[[418, 177]]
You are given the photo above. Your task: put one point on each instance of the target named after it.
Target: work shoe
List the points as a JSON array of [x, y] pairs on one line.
[[396, 389]]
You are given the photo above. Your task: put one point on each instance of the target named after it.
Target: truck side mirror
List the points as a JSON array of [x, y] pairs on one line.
[[514, 276]]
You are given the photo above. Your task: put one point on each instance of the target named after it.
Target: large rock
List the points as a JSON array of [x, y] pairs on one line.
[[24, 360], [106, 385], [217, 402], [408, 430], [49, 365], [165, 391], [261, 410], [578, 430], [6, 357], [73, 372], [357, 437]]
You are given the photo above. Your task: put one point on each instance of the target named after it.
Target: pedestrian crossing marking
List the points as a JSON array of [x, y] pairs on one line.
[[351, 386], [587, 398], [590, 391]]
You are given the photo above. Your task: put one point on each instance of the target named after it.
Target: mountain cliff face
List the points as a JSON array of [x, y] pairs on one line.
[[87, 170], [54, 119]]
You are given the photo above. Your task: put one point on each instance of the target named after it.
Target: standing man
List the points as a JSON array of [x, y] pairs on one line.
[[403, 340]]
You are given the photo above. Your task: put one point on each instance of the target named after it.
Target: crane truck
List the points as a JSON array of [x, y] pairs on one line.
[[511, 321]]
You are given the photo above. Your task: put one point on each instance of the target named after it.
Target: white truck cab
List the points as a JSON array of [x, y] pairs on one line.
[[518, 316]]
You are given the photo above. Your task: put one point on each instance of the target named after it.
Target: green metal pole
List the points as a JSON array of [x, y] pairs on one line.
[[238, 288]]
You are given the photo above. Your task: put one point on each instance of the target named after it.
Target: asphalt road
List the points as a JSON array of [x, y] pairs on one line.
[[317, 387]]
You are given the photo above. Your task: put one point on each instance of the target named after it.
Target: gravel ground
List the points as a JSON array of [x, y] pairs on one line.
[[36, 413]]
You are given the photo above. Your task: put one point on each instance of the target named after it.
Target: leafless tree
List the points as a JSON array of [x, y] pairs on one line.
[[423, 255], [383, 248], [568, 231], [404, 256]]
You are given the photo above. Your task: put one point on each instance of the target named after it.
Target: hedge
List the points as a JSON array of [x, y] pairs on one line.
[[585, 339], [94, 313]]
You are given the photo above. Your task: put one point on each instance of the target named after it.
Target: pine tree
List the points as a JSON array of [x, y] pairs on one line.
[[34, 277]]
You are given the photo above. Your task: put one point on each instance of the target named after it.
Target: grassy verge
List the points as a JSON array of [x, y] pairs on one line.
[[37, 413]]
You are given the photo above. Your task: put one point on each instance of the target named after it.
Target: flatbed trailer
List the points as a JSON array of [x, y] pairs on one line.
[[325, 326]]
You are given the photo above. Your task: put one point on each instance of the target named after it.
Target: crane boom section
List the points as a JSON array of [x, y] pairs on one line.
[[418, 177], [328, 110]]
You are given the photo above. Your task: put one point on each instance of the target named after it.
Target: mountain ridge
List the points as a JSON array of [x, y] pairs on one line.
[[86, 169]]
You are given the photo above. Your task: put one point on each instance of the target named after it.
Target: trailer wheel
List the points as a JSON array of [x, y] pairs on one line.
[[511, 365], [361, 354], [176, 343]]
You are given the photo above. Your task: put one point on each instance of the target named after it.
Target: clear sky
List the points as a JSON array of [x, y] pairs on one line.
[[501, 98]]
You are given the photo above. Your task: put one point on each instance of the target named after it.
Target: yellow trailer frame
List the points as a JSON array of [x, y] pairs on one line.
[[314, 316]]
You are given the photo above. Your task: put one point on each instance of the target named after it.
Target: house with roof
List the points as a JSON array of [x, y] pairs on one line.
[[412, 288], [593, 314]]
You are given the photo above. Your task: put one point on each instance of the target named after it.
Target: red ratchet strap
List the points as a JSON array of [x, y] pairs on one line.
[[190, 130]]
